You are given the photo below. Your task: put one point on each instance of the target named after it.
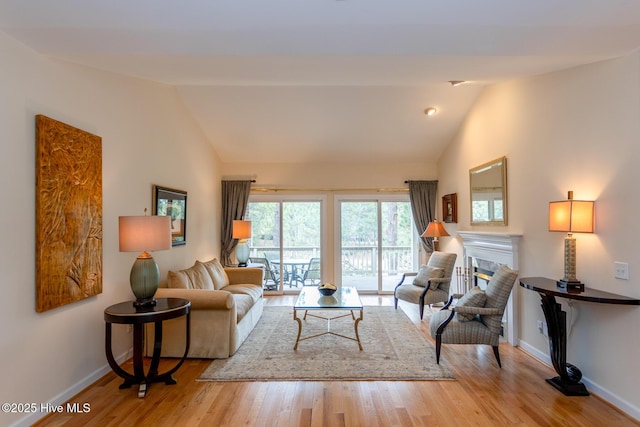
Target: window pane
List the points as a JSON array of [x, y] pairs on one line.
[[300, 239], [265, 240], [265, 229], [359, 245], [301, 243], [301, 229], [397, 243]]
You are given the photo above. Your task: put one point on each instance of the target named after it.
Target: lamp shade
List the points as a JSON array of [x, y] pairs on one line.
[[144, 233], [435, 229], [241, 229], [571, 216]]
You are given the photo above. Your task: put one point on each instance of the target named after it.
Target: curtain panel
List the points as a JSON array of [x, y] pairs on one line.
[[235, 199], [422, 195]]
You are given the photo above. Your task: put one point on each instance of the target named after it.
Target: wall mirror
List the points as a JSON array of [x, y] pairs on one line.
[[488, 184]]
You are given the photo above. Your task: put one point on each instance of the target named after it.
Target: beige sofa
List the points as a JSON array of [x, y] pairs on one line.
[[226, 304]]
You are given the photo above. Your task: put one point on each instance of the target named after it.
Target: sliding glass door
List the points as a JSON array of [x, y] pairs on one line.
[[287, 239], [376, 244]]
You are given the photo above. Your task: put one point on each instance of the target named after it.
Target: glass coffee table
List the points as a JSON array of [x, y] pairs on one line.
[[345, 298]]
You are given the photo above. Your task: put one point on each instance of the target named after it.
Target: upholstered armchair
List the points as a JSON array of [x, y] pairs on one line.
[[430, 285], [477, 317]]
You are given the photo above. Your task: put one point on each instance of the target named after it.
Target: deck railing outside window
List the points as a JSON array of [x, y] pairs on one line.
[[356, 260]]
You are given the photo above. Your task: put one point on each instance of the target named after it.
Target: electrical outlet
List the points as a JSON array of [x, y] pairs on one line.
[[621, 270], [129, 329], [542, 328]]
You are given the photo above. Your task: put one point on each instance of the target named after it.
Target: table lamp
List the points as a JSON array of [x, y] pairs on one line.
[[435, 229], [571, 216], [144, 233], [242, 231]]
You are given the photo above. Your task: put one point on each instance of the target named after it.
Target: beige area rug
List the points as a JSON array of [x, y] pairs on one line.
[[393, 349]]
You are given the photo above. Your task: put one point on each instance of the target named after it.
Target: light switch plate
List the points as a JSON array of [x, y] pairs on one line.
[[621, 270]]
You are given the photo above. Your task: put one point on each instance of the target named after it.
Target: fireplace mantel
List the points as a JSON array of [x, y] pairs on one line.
[[500, 248]]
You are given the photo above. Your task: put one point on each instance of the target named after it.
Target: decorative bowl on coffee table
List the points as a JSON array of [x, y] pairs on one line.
[[327, 289]]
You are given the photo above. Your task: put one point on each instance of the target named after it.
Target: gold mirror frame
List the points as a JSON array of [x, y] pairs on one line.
[[488, 193]]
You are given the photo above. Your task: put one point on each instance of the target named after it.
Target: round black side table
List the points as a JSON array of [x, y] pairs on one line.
[[126, 313]]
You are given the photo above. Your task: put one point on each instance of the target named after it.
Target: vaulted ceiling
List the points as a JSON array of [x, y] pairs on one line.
[[326, 80]]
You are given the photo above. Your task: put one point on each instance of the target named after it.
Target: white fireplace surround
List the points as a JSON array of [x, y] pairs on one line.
[[500, 248]]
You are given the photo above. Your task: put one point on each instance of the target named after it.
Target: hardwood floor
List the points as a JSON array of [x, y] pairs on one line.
[[481, 395]]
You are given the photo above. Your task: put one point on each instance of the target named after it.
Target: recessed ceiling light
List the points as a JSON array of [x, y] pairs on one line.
[[455, 83], [430, 111]]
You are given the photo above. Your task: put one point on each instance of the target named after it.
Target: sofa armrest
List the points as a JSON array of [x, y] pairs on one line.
[[244, 275], [201, 299]]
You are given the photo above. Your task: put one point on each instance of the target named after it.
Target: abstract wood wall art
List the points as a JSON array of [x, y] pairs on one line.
[[68, 214]]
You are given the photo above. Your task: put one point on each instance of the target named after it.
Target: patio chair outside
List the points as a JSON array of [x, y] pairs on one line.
[[271, 275], [311, 274]]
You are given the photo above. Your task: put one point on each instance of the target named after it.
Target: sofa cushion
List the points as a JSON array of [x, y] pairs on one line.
[[475, 297], [195, 277], [425, 273], [216, 271], [255, 292], [243, 305]]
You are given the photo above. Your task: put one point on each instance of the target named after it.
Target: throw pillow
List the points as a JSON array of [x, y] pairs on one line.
[[195, 277], [425, 273], [474, 298], [217, 273]]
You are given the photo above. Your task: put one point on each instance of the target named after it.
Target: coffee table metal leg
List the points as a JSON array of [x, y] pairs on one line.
[[355, 327], [295, 317], [328, 331]]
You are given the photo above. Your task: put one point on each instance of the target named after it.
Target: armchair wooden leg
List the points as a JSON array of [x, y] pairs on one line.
[[496, 352], [421, 311], [441, 327], [395, 302]]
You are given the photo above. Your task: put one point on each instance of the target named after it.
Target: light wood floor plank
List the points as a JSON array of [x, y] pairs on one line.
[[481, 395]]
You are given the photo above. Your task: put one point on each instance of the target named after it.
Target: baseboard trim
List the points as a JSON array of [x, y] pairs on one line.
[[67, 394], [612, 398], [535, 353], [603, 393]]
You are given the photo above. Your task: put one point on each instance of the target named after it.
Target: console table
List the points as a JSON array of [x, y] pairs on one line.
[[126, 313], [568, 381]]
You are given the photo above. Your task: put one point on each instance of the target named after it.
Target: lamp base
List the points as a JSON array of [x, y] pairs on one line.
[[242, 253], [144, 302], [570, 286], [144, 279]]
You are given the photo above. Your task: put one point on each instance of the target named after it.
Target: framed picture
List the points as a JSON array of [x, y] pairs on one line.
[[173, 203], [449, 209]]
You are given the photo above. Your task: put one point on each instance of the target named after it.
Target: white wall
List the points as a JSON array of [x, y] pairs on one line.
[[148, 138], [572, 130], [334, 176]]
